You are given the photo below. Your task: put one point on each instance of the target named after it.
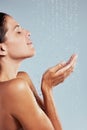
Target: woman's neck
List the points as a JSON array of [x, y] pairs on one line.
[[8, 70]]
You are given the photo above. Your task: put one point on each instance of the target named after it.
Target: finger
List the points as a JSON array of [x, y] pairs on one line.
[[63, 66], [70, 63], [68, 72], [63, 75], [72, 58], [58, 66], [58, 80]]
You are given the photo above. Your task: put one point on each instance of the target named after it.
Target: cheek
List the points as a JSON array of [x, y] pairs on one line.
[[13, 46], [14, 39], [15, 43]]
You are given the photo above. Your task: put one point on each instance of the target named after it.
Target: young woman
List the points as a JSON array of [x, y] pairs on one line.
[[20, 105]]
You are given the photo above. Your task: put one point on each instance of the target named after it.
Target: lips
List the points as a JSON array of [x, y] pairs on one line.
[[29, 43]]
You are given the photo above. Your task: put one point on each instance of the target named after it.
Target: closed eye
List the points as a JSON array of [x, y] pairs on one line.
[[18, 29], [18, 32]]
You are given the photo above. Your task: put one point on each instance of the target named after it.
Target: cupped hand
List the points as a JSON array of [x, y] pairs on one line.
[[59, 73]]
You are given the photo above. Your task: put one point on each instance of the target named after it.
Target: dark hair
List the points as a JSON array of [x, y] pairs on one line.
[[3, 28]]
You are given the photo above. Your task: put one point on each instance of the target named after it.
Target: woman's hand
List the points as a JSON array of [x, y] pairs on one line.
[[58, 73]]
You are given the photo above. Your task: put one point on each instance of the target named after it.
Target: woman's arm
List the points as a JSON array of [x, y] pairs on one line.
[[51, 78]]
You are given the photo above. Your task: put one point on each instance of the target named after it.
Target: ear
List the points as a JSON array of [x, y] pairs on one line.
[[3, 50]]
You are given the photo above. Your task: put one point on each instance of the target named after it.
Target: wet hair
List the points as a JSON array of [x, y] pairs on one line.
[[3, 28]]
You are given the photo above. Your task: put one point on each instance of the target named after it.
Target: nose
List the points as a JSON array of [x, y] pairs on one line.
[[28, 33]]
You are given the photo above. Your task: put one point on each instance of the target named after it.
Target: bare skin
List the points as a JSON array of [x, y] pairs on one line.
[[8, 92], [20, 105]]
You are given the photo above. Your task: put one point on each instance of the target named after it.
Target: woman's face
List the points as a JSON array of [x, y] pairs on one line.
[[18, 42]]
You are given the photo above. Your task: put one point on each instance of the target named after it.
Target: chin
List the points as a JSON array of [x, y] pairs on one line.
[[32, 54]]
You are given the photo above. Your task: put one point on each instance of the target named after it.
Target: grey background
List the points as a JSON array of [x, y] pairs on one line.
[[58, 29]]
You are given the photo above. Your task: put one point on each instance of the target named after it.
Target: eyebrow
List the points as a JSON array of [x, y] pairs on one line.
[[16, 26]]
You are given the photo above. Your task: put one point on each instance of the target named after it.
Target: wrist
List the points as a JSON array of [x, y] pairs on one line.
[[45, 88]]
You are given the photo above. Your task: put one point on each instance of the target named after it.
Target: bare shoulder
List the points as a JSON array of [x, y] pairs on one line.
[[24, 105], [22, 74], [18, 82], [13, 90], [25, 76], [17, 85], [13, 85], [18, 92], [21, 104], [13, 93]]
